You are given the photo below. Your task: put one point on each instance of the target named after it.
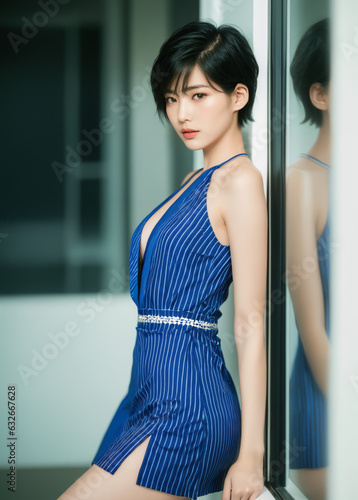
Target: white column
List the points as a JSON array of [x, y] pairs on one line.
[[114, 151], [252, 19], [343, 410]]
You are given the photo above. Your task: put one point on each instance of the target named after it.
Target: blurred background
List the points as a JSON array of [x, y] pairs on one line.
[[84, 159], [75, 144]]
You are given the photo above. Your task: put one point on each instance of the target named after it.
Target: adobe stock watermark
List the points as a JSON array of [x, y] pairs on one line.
[[3, 236], [120, 109], [350, 50], [87, 310], [40, 19], [86, 484], [266, 135], [92, 138], [287, 456], [222, 6], [297, 274], [293, 278], [262, 137], [246, 329]]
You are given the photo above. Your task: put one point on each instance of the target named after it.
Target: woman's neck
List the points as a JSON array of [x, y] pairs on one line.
[[321, 149], [229, 145]]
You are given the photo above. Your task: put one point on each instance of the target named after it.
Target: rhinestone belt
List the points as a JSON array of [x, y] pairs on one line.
[[176, 320]]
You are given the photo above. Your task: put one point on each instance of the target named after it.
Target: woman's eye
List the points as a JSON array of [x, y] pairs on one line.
[[200, 96], [168, 99]]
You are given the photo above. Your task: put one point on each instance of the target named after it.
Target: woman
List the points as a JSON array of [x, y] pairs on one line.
[[179, 431], [308, 240]]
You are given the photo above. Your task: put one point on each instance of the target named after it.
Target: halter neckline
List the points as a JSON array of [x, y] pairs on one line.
[[315, 160], [226, 161], [166, 214]]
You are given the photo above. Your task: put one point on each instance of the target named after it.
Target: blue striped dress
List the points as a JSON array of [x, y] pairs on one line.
[[308, 405], [180, 392]]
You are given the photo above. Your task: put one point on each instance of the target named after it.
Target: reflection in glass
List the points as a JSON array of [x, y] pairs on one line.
[[308, 248]]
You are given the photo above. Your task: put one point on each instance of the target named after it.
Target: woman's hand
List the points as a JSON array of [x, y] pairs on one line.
[[244, 480]]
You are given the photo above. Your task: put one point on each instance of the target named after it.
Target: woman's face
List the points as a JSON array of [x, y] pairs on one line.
[[207, 112]]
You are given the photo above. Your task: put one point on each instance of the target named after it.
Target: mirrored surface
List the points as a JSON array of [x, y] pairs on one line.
[[308, 161]]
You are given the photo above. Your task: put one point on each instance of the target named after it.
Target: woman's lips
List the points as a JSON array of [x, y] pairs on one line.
[[190, 134]]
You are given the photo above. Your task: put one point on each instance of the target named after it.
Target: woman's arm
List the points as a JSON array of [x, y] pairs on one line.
[[245, 216], [303, 278]]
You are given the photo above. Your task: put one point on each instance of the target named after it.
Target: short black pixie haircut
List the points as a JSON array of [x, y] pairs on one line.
[[309, 65], [222, 53]]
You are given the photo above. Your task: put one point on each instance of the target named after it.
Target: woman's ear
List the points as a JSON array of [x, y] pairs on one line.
[[240, 96], [319, 96]]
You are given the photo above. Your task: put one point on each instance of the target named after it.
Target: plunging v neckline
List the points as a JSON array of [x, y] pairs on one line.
[[140, 265], [158, 208]]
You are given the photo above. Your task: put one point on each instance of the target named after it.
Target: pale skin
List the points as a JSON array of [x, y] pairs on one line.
[[307, 194], [238, 214]]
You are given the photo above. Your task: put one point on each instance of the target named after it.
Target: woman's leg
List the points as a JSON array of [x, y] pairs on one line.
[[98, 484], [312, 482]]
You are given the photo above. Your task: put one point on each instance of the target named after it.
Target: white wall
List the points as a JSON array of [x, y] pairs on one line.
[[150, 158], [68, 357]]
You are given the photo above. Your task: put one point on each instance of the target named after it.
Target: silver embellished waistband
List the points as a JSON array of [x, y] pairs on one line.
[[176, 320]]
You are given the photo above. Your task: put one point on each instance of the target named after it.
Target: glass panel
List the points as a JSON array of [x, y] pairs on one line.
[[90, 209], [308, 160], [77, 101], [62, 204]]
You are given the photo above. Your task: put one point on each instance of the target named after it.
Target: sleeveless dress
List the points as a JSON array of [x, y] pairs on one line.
[[308, 405], [180, 392]]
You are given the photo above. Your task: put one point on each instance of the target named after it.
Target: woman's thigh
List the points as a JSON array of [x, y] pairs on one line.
[[312, 482], [98, 484]]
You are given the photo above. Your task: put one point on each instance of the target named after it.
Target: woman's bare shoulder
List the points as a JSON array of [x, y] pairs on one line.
[[302, 178], [237, 175]]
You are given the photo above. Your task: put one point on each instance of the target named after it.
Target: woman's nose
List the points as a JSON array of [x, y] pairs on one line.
[[184, 112]]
